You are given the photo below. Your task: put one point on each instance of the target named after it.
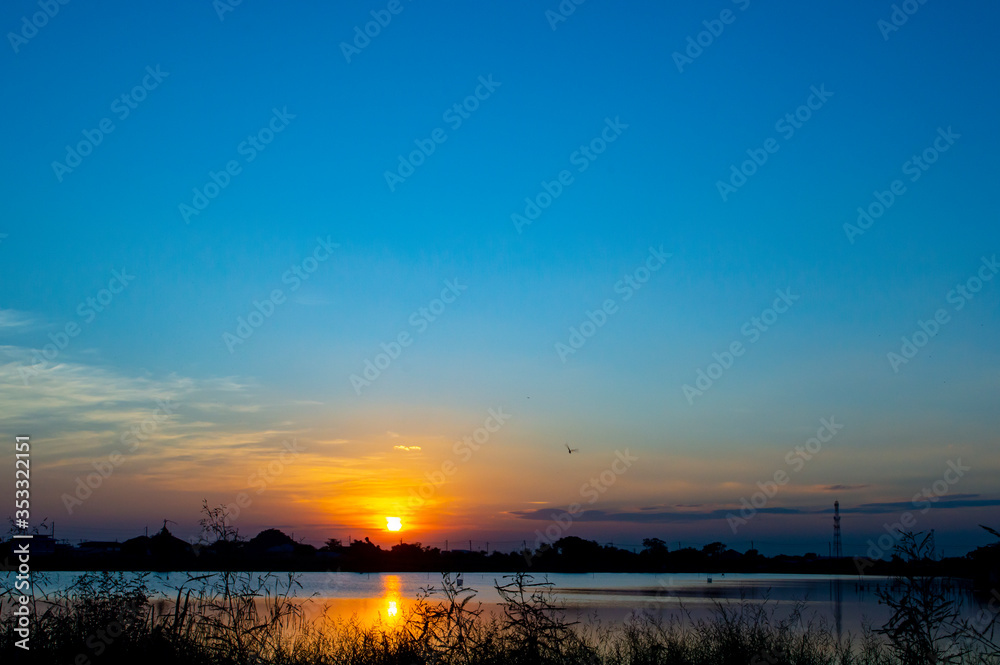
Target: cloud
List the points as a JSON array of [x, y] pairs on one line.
[[12, 319], [74, 395], [546, 514], [946, 501], [219, 437], [643, 516], [844, 488], [159, 424], [406, 448]]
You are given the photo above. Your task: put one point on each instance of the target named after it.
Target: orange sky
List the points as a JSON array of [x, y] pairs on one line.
[[343, 473]]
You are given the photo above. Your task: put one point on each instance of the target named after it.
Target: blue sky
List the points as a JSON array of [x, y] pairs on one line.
[[323, 176]]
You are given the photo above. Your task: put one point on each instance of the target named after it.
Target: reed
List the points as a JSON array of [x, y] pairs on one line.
[[240, 618]]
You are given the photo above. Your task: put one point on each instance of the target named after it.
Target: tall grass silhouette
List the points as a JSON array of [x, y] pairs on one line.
[[240, 618]]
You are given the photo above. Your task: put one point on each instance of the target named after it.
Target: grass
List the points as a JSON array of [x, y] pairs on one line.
[[240, 618], [244, 618]]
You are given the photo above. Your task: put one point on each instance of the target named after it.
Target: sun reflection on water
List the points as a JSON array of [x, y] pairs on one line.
[[391, 585]]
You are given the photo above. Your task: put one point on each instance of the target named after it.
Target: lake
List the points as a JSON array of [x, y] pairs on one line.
[[595, 598]]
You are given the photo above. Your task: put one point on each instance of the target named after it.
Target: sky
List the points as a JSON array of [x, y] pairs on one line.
[[329, 264]]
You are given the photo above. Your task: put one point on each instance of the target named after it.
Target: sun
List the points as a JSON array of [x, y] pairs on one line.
[[393, 523]]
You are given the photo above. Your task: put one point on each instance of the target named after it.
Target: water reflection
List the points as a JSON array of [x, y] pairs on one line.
[[845, 601], [392, 596], [838, 605]]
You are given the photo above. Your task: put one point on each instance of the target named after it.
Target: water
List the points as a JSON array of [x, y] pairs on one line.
[[606, 598]]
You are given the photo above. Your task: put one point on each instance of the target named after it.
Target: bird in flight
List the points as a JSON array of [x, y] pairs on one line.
[[571, 450]]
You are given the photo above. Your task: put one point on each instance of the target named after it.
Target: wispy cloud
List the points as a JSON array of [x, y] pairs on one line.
[[175, 440], [12, 320], [942, 502], [643, 516], [72, 396]]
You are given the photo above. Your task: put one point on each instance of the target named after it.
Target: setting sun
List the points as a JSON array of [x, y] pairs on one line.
[[393, 523]]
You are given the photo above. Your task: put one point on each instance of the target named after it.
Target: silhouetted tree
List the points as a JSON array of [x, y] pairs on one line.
[[654, 546], [270, 538]]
